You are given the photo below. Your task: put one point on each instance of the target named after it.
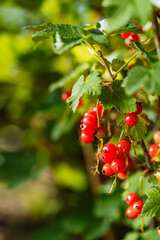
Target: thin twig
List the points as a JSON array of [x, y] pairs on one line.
[[156, 32], [147, 157], [105, 64], [115, 75]]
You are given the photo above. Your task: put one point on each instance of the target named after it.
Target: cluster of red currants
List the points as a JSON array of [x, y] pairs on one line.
[[115, 159], [89, 124], [130, 36], [135, 206], [131, 119], [153, 149]]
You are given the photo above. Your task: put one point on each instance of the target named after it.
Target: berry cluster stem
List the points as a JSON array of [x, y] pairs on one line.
[[113, 184], [99, 56], [115, 75], [147, 157]]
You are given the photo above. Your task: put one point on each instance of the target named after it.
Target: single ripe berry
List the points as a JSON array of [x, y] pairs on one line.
[[131, 213], [131, 199], [90, 115], [86, 138], [156, 136], [138, 206], [152, 151], [134, 37], [107, 170], [125, 35], [122, 175], [118, 164], [65, 96], [109, 151], [131, 119], [123, 147], [158, 230], [139, 108], [101, 113], [87, 128]]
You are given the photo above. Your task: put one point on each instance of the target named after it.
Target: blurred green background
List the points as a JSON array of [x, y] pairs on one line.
[[47, 189]]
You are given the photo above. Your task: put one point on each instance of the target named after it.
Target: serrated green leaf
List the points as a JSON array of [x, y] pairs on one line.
[[66, 36], [116, 98], [140, 76], [152, 55], [117, 64], [100, 39], [41, 27], [90, 85], [130, 28], [43, 35], [138, 132], [69, 78], [152, 205]]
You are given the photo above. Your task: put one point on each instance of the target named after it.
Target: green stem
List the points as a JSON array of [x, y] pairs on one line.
[[98, 55], [115, 75], [113, 184], [98, 113]]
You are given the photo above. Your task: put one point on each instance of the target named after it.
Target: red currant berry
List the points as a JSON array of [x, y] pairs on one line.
[[122, 175], [131, 119], [125, 35], [100, 109], [86, 138], [87, 128], [118, 165], [130, 161], [156, 136], [134, 37], [152, 151], [131, 213], [123, 147], [109, 151], [90, 115], [131, 199], [65, 96], [158, 230], [139, 108], [138, 206], [107, 170]]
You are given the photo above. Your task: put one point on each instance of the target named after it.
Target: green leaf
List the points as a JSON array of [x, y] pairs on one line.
[[43, 35], [142, 10], [66, 36], [152, 205], [41, 27], [69, 78], [150, 234], [116, 98], [138, 132], [140, 76], [90, 85], [100, 39], [131, 236], [117, 64], [152, 55], [130, 28]]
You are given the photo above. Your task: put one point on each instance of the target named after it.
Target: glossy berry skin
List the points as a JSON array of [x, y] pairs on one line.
[[86, 138], [131, 213], [138, 206], [87, 128], [107, 170], [158, 230], [131, 199], [156, 136], [139, 107], [109, 151], [118, 164], [125, 35], [131, 119], [90, 115], [134, 37], [100, 108], [152, 151], [122, 175], [123, 147]]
